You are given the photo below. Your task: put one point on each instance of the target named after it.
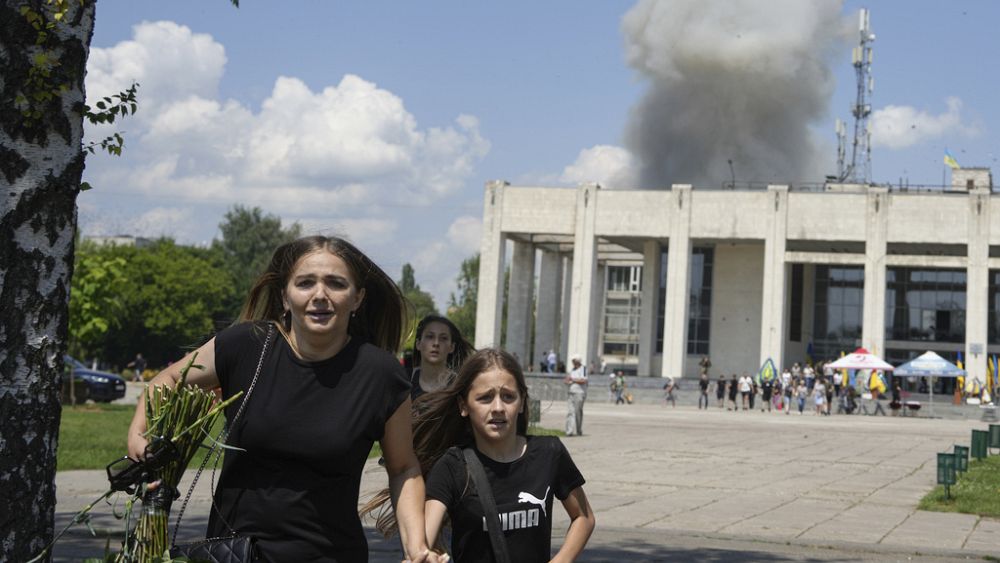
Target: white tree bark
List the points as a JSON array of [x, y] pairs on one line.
[[41, 165]]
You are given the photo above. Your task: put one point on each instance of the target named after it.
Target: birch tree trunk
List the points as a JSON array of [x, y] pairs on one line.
[[41, 164]]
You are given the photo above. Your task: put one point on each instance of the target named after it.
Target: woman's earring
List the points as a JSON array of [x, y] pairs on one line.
[[286, 319], [353, 314]]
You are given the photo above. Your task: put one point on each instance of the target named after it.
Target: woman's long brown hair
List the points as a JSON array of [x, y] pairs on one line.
[[380, 318]]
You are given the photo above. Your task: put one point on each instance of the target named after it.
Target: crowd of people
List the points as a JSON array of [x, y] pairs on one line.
[[819, 390]]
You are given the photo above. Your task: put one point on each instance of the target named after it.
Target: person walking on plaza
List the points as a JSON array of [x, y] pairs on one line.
[[746, 387], [613, 390], [766, 389], [788, 391], [668, 396], [877, 400], [801, 392], [552, 360], [703, 384], [704, 364], [720, 391], [619, 387], [734, 385], [819, 396], [576, 379], [810, 374]]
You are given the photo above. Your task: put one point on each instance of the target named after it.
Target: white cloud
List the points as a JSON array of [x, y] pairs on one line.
[[365, 233], [464, 234], [898, 127], [610, 166], [154, 223], [168, 60], [344, 146]]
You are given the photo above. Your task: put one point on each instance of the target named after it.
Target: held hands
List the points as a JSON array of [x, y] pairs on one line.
[[428, 556]]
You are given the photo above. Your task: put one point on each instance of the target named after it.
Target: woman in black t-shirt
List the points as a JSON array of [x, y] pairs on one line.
[[484, 409], [438, 350], [329, 386]]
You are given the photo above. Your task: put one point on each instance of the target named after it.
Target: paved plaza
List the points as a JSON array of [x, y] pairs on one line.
[[688, 485]]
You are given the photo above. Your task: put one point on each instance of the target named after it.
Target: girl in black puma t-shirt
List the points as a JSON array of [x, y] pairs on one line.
[[485, 409]]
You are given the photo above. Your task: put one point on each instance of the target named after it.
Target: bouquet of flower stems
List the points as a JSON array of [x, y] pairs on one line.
[[177, 420]]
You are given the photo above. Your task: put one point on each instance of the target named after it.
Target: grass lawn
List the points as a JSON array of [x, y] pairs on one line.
[[539, 431], [977, 491], [92, 436]]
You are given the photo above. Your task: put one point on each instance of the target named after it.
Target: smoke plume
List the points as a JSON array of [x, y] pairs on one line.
[[738, 80]]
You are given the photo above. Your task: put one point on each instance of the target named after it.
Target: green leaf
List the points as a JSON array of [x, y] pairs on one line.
[[84, 186]]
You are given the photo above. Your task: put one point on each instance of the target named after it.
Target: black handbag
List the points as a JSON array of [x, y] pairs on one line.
[[497, 541], [236, 547], [227, 549]]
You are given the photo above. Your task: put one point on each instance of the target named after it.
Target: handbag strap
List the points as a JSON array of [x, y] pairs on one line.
[[485, 492], [223, 436]]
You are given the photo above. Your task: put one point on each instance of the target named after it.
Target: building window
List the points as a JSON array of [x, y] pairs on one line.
[[993, 334], [838, 308], [622, 307], [795, 314], [925, 305], [700, 301], [661, 312]]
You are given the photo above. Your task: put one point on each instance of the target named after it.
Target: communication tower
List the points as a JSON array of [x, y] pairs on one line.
[[859, 169]]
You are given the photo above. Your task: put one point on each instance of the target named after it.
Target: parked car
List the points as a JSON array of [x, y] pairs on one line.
[[103, 387]]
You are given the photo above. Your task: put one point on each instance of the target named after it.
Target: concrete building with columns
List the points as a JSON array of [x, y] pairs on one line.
[[652, 280]]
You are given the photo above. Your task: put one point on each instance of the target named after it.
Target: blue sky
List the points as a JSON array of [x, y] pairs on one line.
[[382, 121]]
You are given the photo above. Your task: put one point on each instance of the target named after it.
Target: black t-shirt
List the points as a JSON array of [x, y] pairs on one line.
[[523, 490], [307, 430]]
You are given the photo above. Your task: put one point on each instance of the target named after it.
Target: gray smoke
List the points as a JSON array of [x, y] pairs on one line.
[[739, 80]]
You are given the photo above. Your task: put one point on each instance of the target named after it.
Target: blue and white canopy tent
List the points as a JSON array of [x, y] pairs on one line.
[[929, 364]]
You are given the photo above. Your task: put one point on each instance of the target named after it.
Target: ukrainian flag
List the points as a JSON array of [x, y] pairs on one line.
[[950, 160]]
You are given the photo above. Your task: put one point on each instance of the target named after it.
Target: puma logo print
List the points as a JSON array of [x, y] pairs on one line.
[[530, 498]]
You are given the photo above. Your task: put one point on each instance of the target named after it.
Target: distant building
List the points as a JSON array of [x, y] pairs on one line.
[[120, 240], [651, 280]]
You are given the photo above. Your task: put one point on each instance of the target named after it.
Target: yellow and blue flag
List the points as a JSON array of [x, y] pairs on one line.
[[950, 160]]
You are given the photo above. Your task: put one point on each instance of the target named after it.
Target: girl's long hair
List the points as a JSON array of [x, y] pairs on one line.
[[463, 349], [438, 424], [380, 318]]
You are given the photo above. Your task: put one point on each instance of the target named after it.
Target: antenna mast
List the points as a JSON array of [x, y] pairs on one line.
[[859, 170]]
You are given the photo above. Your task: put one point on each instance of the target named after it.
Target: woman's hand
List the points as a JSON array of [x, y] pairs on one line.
[[204, 377], [136, 441]]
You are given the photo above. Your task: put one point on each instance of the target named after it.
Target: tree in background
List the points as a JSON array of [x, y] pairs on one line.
[[462, 306], [169, 299], [249, 237], [421, 302], [96, 305]]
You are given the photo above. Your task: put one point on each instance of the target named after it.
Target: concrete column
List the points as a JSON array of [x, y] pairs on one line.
[[597, 302], [650, 305], [977, 284], [489, 310], [519, 305], [548, 304], [876, 235], [584, 271], [567, 304], [772, 317], [675, 319]]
